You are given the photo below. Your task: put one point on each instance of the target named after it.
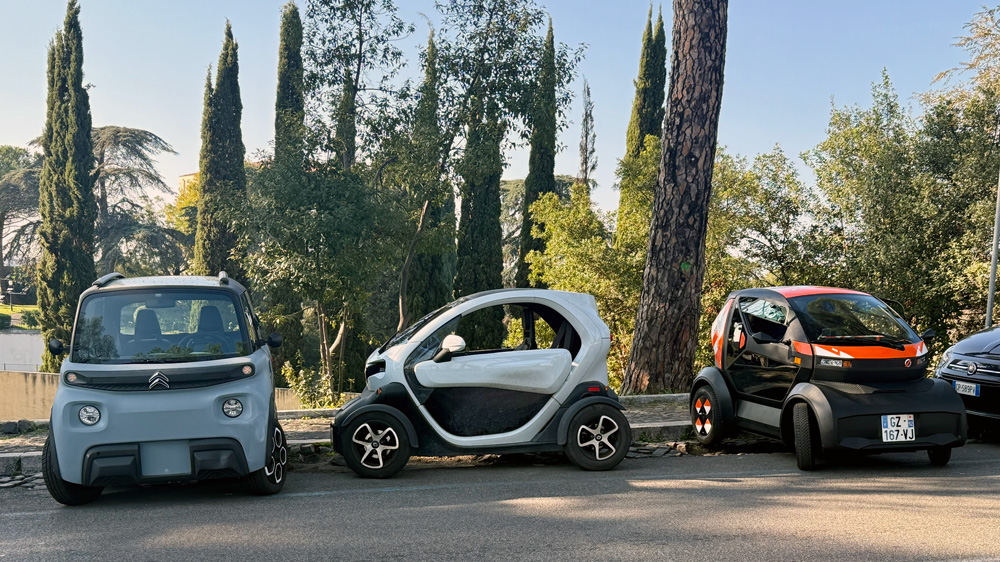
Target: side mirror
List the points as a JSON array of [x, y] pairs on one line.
[[274, 340], [761, 337], [451, 345], [56, 347], [928, 334]]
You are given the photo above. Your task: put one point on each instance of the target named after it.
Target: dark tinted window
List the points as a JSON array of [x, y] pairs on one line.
[[837, 316]]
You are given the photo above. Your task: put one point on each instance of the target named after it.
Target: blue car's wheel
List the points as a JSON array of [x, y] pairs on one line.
[[270, 479], [62, 491]]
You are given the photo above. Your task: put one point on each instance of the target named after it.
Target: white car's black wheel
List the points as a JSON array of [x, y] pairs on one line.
[[705, 419], [62, 491], [375, 445], [270, 479], [807, 443], [599, 437], [939, 456]]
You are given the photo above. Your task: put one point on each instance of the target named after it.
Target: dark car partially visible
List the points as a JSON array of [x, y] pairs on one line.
[[972, 366]]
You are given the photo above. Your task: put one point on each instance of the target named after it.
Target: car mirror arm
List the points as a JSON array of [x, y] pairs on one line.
[[442, 356]]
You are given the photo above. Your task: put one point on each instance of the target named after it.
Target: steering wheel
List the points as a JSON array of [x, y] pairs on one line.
[[199, 338], [161, 343]]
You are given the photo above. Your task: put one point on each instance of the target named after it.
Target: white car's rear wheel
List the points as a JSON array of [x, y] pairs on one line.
[[599, 437]]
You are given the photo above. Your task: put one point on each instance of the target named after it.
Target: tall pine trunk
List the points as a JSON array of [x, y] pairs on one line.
[[666, 330]]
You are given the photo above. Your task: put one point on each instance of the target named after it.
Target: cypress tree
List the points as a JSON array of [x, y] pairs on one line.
[[480, 258], [588, 139], [221, 172], [636, 126], [657, 80], [647, 120], [347, 126], [432, 273], [66, 198], [283, 304], [289, 105], [541, 160]]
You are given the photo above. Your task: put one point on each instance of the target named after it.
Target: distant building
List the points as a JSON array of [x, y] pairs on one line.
[[186, 180]]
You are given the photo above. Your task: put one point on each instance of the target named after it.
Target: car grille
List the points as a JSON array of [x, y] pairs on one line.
[[988, 401], [962, 366]]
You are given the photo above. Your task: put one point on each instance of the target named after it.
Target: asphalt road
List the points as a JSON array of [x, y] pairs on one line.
[[732, 507]]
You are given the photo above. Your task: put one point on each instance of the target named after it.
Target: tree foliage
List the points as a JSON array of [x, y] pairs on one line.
[[66, 198], [588, 139], [221, 172], [19, 171]]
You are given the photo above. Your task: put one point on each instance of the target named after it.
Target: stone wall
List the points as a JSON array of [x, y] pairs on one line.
[[30, 395], [26, 395]]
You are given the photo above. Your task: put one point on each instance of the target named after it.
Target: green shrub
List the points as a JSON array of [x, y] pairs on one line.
[[29, 319], [4, 321], [312, 388]]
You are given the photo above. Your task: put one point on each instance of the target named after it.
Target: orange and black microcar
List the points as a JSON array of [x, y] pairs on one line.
[[824, 370]]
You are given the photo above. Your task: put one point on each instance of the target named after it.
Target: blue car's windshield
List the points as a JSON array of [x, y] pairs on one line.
[[159, 326]]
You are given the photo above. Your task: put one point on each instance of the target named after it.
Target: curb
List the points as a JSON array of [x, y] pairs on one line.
[[28, 462], [316, 413], [643, 399], [660, 432], [631, 400]]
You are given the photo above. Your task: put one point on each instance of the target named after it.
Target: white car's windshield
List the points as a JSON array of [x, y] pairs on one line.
[[159, 326]]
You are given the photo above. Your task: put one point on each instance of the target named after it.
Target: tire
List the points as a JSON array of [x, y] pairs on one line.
[[807, 445], [62, 491], [708, 426], [375, 445], [939, 456], [271, 479], [599, 437]]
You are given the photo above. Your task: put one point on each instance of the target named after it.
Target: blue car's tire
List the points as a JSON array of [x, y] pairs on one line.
[[62, 491], [271, 479]]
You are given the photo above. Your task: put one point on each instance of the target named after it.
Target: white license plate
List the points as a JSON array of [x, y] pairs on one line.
[[898, 427], [967, 388]]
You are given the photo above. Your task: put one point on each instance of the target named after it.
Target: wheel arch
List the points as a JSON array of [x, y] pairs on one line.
[[562, 435], [812, 396], [712, 377]]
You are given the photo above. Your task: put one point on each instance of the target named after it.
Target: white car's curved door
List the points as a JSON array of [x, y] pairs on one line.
[[540, 371]]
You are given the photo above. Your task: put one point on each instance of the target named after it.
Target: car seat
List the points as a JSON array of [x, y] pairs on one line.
[[147, 333], [210, 324]]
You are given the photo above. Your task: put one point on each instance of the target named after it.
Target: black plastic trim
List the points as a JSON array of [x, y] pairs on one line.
[[105, 465]]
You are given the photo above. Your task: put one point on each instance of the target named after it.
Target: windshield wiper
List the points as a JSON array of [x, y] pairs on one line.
[[873, 339]]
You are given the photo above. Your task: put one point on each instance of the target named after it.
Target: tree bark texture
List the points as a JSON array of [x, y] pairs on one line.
[[666, 328]]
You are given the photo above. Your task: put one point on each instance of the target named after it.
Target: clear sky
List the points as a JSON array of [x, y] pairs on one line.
[[785, 61]]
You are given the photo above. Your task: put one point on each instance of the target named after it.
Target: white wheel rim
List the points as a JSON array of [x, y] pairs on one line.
[[274, 468], [598, 438], [374, 447]]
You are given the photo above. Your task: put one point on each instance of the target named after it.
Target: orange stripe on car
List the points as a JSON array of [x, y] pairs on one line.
[[802, 348], [869, 351]]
